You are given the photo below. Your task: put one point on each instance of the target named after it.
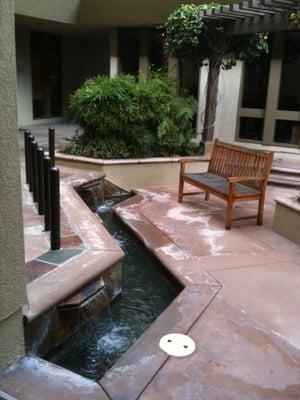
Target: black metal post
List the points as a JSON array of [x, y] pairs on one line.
[[33, 148], [46, 168], [26, 151], [51, 138], [40, 177], [30, 140], [55, 209]]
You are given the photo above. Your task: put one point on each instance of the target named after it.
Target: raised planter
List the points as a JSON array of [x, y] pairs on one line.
[[287, 219], [132, 173]]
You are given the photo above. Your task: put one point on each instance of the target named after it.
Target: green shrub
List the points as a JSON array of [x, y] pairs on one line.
[[122, 118]]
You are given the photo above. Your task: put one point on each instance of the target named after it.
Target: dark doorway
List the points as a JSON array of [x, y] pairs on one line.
[[46, 69], [129, 50]]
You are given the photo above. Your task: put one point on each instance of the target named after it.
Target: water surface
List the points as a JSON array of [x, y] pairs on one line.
[[146, 292]]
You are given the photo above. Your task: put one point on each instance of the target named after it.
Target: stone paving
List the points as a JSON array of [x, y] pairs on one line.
[[63, 131], [247, 331], [240, 304]]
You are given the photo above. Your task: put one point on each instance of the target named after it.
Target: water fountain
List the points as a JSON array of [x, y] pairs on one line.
[[146, 292]]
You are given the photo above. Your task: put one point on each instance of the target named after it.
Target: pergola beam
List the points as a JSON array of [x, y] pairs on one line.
[[238, 8], [227, 12], [254, 15]]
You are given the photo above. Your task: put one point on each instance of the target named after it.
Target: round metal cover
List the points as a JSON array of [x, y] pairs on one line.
[[177, 345]]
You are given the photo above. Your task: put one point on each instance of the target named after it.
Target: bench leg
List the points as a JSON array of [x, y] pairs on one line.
[[206, 196], [180, 189], [260, 214], [230, 201], [229, 216]]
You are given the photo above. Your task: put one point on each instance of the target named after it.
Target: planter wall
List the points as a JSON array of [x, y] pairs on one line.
[[132, 173], [287, 219]]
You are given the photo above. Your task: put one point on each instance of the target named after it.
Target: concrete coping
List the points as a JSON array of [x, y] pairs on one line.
[[99, 161], [100, 253], [291, 202], [293, 171]]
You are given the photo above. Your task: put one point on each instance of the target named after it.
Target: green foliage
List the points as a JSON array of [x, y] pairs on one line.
[[294, 19], [192, 36], [123, 118]]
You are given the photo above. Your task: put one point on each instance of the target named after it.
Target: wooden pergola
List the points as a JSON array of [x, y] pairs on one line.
[[254, 15], [244, 17]]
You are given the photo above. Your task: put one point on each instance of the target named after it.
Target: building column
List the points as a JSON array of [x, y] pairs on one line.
[[114, 62], [173, 68], [12, 271], [273, 88], [144, 54]]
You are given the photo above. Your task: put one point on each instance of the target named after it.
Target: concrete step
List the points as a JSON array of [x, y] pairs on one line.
[[284, 180], [285, 170]]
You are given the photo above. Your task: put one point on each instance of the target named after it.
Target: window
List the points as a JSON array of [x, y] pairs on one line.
[[46, 67], [251, 128], [287, 132], [256, 76], [289, 96], [270, 101], [129, 50]]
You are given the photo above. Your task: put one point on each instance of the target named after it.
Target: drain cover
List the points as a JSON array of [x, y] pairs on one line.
[[177, 345]]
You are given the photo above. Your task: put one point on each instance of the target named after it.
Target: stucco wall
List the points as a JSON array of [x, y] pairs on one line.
[[229, 89], [12, 282], [228, 96], [131, 174], [287, 219]]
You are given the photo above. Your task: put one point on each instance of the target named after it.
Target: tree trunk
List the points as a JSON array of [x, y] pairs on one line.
[[211, 99]]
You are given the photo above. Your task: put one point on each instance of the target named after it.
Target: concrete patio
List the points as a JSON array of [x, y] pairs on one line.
[[240, 304], [246, 320]]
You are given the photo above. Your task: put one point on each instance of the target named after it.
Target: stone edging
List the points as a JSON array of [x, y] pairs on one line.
[[100, 161], [101, 251]]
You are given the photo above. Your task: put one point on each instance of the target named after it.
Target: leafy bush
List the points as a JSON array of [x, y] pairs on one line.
[[123, 118]]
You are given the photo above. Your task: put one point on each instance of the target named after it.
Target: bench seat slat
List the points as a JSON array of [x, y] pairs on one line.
[[220, 183]]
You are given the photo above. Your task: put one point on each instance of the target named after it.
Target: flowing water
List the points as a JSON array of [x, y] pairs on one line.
[[146, 292]]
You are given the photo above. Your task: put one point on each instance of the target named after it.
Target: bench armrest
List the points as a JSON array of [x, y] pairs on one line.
[[237, 179]]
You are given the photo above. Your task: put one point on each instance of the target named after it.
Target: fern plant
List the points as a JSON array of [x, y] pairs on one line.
[[123, 118]]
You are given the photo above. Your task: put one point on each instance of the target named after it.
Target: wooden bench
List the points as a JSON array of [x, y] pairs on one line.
[[234, 174]]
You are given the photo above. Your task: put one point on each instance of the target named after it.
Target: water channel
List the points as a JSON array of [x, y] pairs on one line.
[[146, 292]]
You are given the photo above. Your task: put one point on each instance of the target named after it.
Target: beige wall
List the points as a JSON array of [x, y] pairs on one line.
[[228, 96], [287, 219], [12, 273], [130, 175]]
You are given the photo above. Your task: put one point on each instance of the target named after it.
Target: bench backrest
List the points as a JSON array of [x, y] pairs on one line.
[[231, 160]]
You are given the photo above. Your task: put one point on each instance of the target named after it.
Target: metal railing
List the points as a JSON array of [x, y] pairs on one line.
[[42, 178]]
